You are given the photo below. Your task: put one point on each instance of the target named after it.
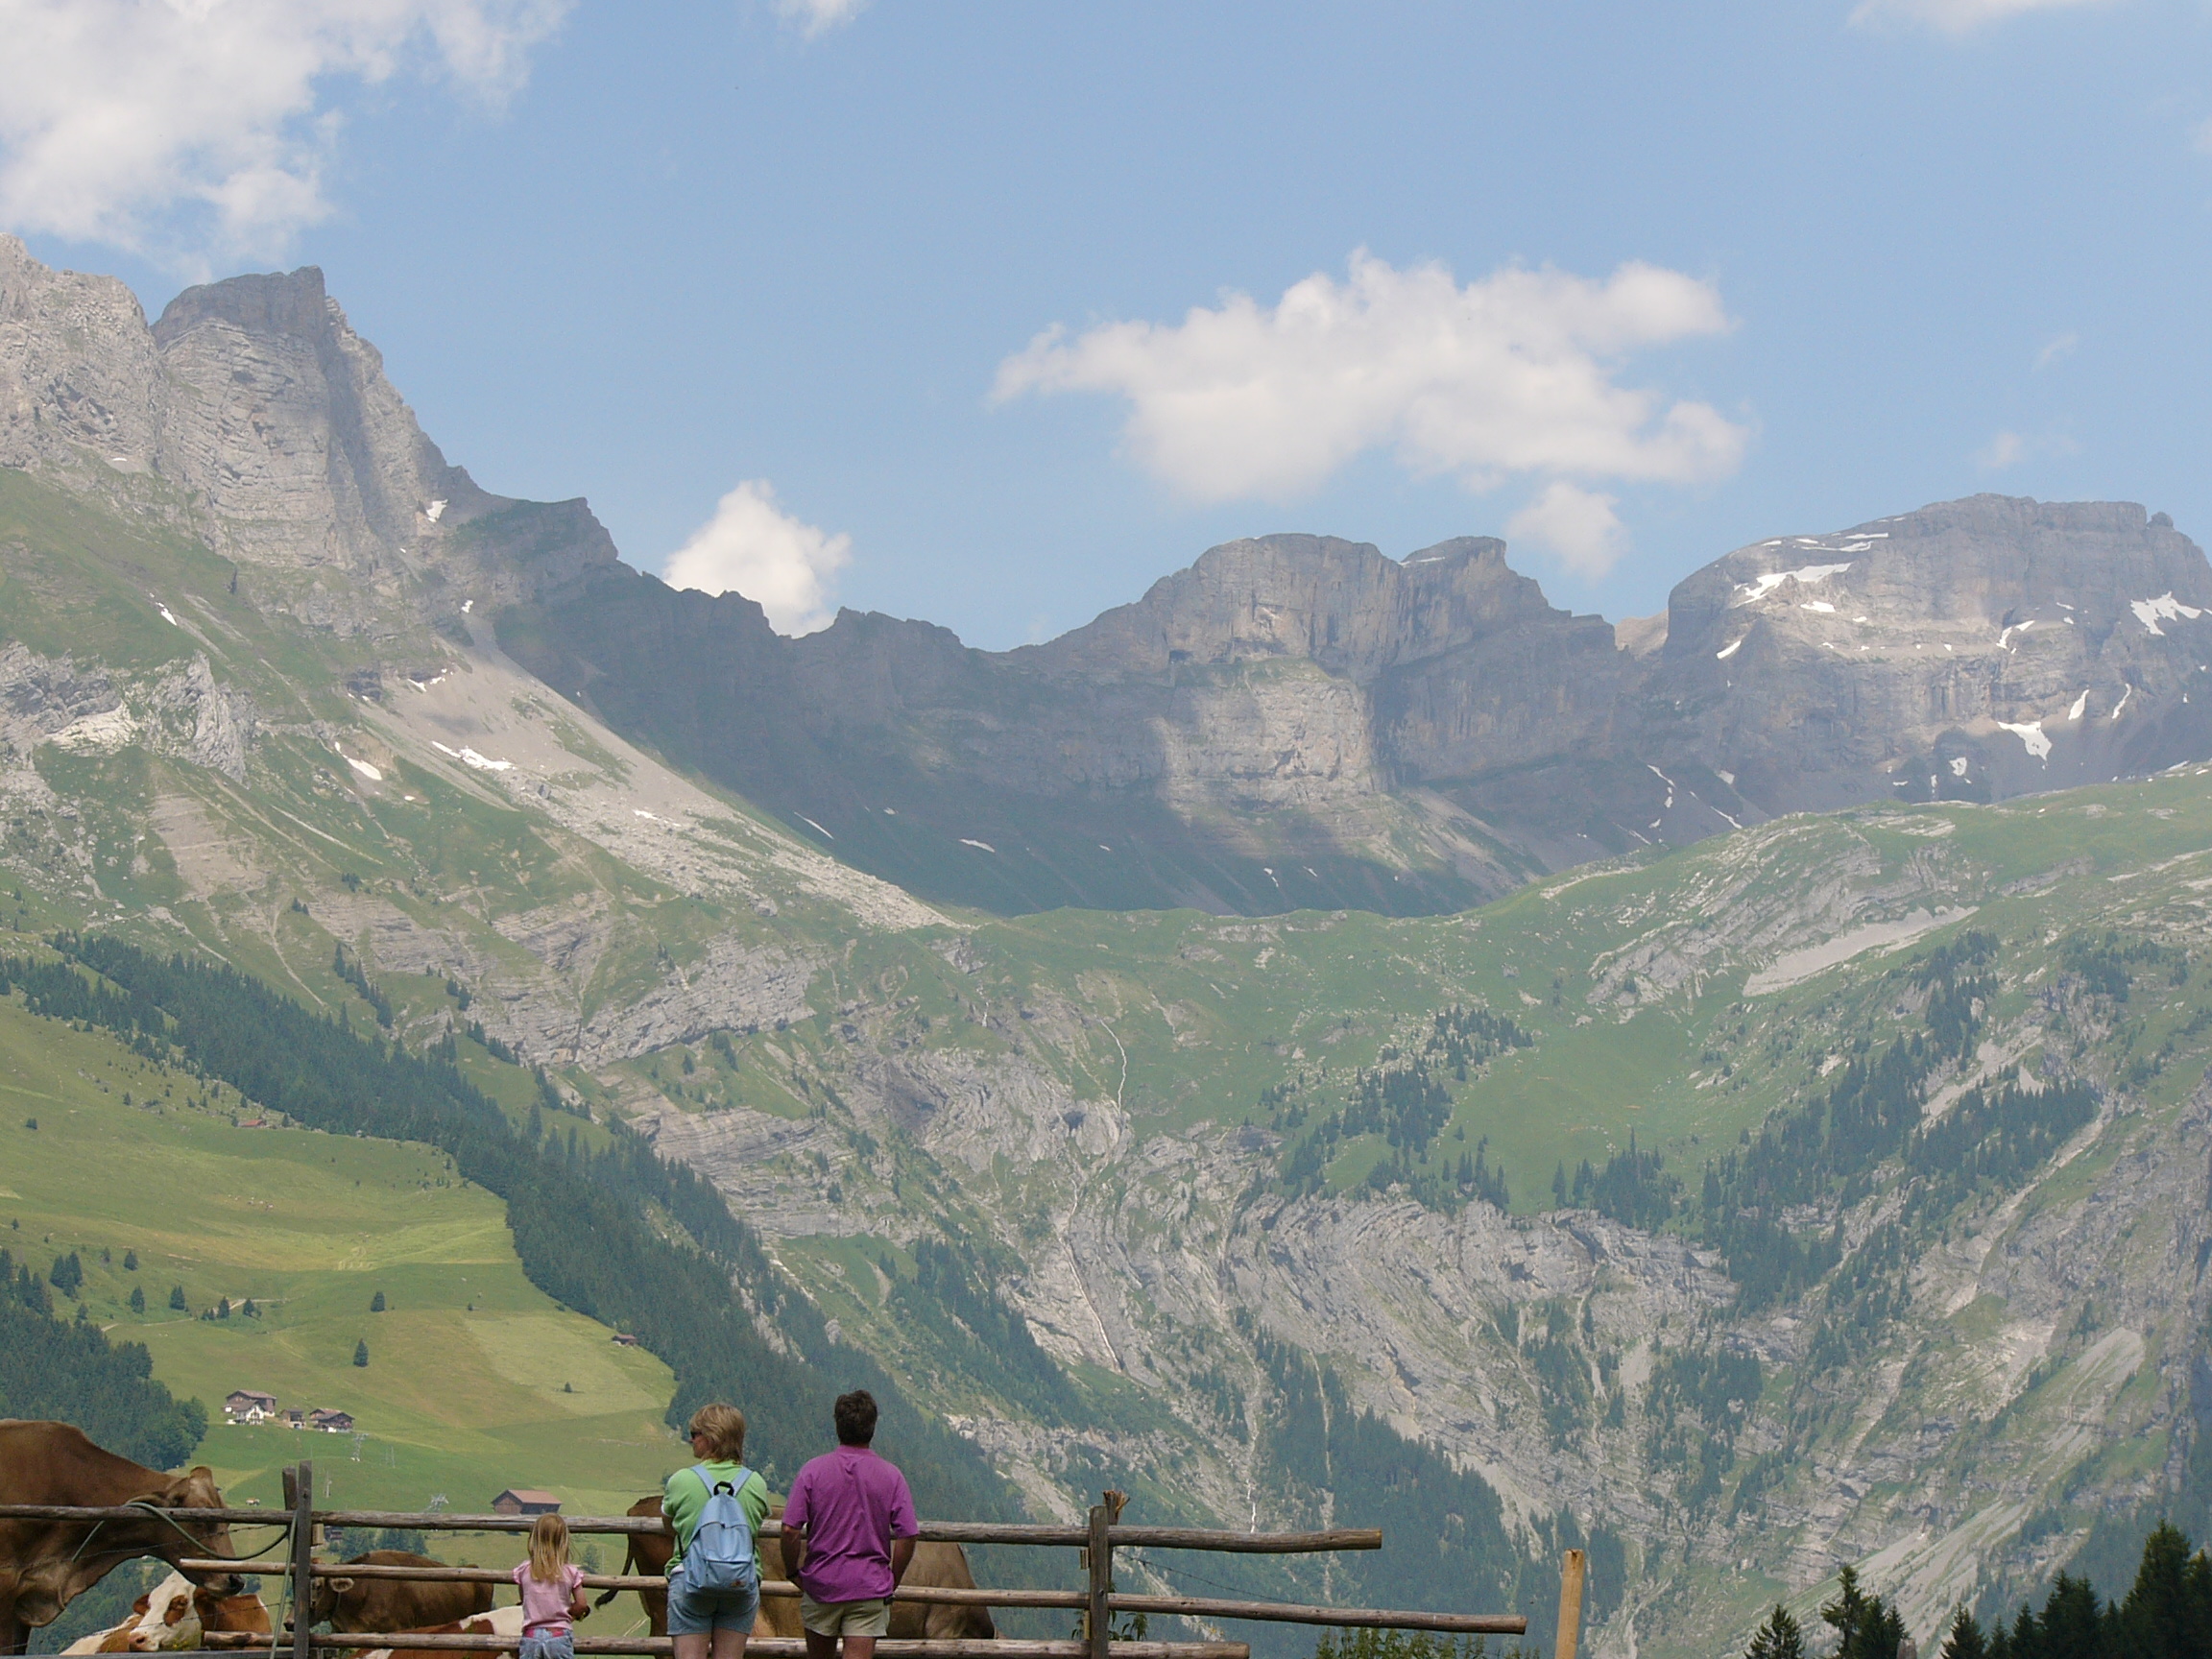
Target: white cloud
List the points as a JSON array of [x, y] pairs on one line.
[[1580, 525], [752, 545], [1956, 16], [2062, 346], [1514, 374], [2000, 452], [819, 16], [2010, 448], [199, 130]]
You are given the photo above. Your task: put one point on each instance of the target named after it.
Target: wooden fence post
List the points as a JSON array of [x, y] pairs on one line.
[[1569, 1605], [302, 1480], [1097, 1622]]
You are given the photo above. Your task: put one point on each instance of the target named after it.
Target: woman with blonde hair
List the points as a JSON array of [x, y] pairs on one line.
[[552, 1593], [715, 1507]]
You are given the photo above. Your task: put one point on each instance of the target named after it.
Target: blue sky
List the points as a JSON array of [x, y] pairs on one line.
[[1643, 282]]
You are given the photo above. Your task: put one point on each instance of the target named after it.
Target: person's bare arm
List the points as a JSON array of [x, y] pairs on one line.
[[794, 1549], [901, 1557]]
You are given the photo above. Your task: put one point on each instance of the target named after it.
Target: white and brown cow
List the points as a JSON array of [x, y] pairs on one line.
[[179, 1614]]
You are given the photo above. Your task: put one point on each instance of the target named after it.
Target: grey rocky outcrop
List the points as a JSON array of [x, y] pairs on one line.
[[1974, 650], [1431, 728], [253, 418], [1293, 721]]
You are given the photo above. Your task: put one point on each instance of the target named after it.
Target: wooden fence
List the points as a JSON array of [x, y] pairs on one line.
[[1098, 1602]]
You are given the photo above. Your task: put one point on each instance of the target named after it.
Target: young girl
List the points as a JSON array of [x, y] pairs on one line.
[[552, 1593]]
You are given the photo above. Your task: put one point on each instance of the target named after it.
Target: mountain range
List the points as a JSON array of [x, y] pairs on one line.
[[1723, 1089]]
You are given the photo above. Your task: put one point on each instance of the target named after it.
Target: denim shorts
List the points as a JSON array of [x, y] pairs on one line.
[[700, 1612], [553, 1645]]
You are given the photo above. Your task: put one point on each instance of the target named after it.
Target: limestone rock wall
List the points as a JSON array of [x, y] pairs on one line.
[[253, 418]]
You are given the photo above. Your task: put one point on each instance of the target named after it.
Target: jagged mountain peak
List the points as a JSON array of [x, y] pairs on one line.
[[252, 417], [293, 303], [1973, 649], [1343, 604], [1986, 556], [1290, 720]]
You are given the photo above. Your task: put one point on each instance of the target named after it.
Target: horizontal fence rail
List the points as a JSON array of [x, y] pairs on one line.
[[933, 1532], [141, 1512], [1289, 1613]]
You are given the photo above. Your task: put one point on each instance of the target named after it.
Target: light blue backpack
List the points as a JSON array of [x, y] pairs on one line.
[[720, 1555]]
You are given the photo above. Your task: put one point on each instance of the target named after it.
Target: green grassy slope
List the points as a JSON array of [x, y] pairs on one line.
[[476, 1380], [1631, 978]]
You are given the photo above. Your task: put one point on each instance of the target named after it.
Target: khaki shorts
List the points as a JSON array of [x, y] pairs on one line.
[[869, 1618]]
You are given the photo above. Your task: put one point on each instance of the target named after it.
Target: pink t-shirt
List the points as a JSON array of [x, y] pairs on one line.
[[545, 1606], [851, 1504]]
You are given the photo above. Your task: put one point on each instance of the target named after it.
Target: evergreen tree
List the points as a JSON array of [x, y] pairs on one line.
[[1779, 1638], [2072, 1625], [361, 1354], [1965, 1641], [2167, 1614], [130, 1261], [223, 1308], [1867, 1626], [377, 1302], [137, 1298], [68, 1274], [69, 1371], [177, 1302]]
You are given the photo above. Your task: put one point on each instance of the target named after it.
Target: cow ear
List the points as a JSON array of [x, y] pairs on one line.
[[143, 1603], [340, 1586]]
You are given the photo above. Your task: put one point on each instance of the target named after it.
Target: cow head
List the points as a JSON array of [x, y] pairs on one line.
[[166, 1616], [242, 1613], [195, 1489], [336, 1597]]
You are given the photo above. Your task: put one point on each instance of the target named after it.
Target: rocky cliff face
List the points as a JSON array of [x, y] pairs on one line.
[[1245, 738], [1294, 721], [1430, 728], [253, 418], [1972, 650]]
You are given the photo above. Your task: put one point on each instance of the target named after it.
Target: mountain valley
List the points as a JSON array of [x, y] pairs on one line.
[[1337, 1038]]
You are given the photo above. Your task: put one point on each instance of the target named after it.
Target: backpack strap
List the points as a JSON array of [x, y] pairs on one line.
[[698, 1473]]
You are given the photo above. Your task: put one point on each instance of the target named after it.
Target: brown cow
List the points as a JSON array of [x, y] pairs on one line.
[[934, 1566], [45, 1565], [232, 1620], [176, 1613], [394, 1603]]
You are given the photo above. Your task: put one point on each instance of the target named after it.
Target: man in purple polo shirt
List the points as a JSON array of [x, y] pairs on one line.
[[849, 1532]]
